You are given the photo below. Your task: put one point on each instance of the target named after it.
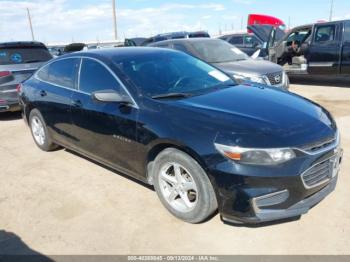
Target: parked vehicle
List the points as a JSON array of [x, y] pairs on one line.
[[137, 41], [163, 37], [74, 47], [56, 50], [254, 152], [247, 43], [230, 60], [260, 19], [18, 61], [317, 49]]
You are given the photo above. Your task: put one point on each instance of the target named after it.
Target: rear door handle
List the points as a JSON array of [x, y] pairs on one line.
[[43, 93], [77, 103]]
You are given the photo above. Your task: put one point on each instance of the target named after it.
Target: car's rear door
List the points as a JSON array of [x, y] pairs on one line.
[[324, 52], [104, 131], [345, 60], [54, 86]]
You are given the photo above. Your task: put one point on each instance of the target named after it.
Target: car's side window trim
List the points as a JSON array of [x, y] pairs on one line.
[[79, 71], [134, 104], [36, 76]]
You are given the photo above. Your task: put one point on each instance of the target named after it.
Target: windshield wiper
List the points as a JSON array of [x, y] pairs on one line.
[[172, 95]]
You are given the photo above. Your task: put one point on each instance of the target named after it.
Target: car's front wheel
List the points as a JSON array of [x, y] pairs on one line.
[[183, 186], [39, 131]]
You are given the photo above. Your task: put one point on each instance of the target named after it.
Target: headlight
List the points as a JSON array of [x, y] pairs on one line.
[[256, 156], [240, 78]]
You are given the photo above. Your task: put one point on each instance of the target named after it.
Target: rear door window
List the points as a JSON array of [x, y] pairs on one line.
[[61, 73], [325, 33], [347, 32], [14, 55]]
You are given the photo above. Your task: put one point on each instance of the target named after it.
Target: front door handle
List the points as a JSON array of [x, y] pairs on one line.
[[77, 103], [43, 93]]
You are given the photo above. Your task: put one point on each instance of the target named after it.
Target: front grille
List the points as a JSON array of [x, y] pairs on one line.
[[319, 173], [314, 147], [275, 78]]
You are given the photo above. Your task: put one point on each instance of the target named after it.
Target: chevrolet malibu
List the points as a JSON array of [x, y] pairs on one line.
[[253, 152]]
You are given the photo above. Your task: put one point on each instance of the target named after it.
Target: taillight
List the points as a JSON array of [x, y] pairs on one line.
[[19, 88], [5, 73]]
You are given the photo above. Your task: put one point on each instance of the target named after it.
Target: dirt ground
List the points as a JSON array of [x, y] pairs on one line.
[[60, 203]]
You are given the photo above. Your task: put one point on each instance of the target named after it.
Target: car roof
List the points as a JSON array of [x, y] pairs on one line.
[[21, 44], [180, 33], [186, 40], [235, 34], [119, 52]]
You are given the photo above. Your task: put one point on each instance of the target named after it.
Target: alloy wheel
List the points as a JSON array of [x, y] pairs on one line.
[[178, 187], [38, 130]]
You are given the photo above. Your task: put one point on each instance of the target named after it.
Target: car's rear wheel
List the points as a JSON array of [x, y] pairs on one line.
[[183, 186], [39, 131]]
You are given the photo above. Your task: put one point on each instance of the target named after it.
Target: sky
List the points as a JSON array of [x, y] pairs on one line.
[[56, 21]]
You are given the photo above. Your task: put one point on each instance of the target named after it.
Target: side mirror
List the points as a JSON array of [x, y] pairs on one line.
[[110, 96]]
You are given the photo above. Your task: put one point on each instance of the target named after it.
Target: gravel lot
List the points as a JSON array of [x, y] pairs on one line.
[[60, 203]]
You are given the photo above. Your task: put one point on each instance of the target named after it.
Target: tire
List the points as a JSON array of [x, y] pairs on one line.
[[39, 131], [189, 196]]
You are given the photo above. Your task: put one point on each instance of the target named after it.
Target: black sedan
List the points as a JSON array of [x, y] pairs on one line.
[[255, 153], [231, 60]]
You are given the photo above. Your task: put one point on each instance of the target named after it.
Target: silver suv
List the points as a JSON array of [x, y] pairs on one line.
[[18, 61]]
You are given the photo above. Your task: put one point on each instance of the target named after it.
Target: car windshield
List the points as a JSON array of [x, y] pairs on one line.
[[162, 74], [19, 55], [218, 51]]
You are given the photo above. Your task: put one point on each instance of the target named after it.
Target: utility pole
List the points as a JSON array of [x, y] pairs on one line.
[[289, 23], [114, 21], [331, 11], [30, 24]]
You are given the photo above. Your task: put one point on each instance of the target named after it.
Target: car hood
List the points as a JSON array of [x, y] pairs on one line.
[[266, 115], [249, 66]]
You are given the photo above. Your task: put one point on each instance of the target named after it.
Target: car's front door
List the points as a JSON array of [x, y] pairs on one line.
[[324, 52], [251, 44], [106, 131]]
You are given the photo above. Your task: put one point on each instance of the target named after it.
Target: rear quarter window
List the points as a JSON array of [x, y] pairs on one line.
[[12, 56]]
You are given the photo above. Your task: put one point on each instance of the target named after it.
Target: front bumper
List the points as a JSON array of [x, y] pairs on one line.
[[251, 194], [300, 208]]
